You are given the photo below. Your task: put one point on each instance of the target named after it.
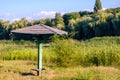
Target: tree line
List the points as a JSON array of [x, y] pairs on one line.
[[79, 25]]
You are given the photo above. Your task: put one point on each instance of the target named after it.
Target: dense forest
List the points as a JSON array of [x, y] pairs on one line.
[[79, 25]]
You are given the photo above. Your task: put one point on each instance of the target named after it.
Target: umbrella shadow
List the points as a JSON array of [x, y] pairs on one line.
[[27, 74]]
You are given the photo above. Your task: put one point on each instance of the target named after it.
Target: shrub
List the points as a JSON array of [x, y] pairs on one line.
[[64, 52]]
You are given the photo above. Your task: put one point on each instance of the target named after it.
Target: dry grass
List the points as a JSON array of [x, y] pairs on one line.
[[20, 70]]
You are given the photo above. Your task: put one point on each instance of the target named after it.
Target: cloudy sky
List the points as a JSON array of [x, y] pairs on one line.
[[36, 9]]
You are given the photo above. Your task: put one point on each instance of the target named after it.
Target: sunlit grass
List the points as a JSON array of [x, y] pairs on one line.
[[21, 70]]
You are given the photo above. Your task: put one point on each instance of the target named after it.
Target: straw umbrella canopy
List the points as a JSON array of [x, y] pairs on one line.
[[39, 30]]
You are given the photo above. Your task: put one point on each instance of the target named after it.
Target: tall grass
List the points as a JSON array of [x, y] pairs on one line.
[[23, 50], [97, 51]]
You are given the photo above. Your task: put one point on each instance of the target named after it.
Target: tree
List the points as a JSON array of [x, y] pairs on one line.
[[15, 24], [67, 17], [98, 6], [59, 22], [23, 23], [2, 31], [116, 24], [84, 13], [7, 29], [48, 22], [71, 26]]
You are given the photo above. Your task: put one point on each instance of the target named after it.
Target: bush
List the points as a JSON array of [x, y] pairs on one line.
[[64, 52]]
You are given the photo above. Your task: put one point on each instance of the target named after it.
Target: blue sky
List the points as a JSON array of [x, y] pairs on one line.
[[36, 9]]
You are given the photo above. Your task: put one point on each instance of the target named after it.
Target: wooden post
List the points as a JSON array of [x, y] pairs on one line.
[[40, 58]]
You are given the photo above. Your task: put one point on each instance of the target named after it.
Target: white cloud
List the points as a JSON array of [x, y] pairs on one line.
[[15, 19], [90, 10], [104, 8], [18, 19], [63, 13], [45, 13], [33, 16], [48, 13], [29, 18]]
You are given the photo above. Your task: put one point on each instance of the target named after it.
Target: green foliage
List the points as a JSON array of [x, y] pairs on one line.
[[98, 24], [69, 16], [59, 23], [64, 54], [17, 51], [46, 21], [116, 24], [97, 51], [71, 26], [98, 6], [84, 13], [2, 31], [113, 10], [19, 24], [94, 52]]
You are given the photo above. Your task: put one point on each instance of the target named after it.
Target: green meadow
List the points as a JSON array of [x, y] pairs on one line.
[[93, 59]]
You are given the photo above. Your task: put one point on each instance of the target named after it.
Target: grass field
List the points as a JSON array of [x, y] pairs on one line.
[[20, 70], [93, 59]]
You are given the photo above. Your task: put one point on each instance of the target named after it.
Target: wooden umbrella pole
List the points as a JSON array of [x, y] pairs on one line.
[[40, 58]]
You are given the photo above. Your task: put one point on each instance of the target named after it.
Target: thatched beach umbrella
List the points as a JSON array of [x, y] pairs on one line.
[[39, 30]]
